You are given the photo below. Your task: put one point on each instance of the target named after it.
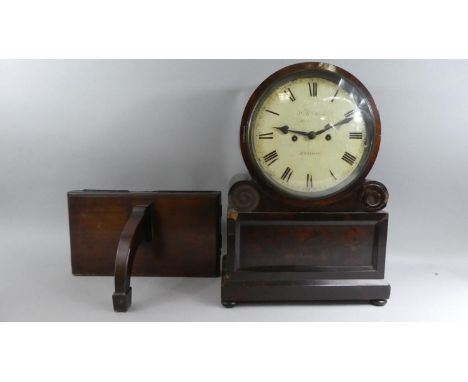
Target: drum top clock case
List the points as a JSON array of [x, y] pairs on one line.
[[306, 226]]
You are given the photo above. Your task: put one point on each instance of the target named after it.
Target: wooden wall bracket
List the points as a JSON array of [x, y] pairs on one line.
[[138, 228], [165, 233]]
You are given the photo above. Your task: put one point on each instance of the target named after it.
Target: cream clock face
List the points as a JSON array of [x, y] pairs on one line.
[[311, 135]]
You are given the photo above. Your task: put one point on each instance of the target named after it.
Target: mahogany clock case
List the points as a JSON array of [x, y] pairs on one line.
[[285, 248]]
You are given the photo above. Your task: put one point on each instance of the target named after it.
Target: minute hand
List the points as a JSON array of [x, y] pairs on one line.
[[328, 126]]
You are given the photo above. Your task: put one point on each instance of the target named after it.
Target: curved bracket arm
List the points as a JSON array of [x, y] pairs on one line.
[[138, 228]]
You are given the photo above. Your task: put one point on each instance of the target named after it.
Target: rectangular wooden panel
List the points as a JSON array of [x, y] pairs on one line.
[[186, 226], [321, 245], [309, 244]]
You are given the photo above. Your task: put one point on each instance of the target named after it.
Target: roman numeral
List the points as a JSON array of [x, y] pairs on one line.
[[331, 173], [336, 93], [266, 136], [349, 158], [309, 181], [313, 89], [272, 112], [287, 174], [271, 158], [355, 135], [349, 114], [291, 95]]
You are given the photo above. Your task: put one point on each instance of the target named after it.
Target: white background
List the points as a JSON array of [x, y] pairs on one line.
[[156, 125]]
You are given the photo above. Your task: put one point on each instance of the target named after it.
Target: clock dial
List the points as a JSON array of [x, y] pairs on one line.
[[310, 134]]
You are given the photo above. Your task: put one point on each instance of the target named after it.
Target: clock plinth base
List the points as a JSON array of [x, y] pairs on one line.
[[289, 255], [307, 290]]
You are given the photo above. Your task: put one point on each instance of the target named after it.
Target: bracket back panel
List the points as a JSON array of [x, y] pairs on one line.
[[186, 230]]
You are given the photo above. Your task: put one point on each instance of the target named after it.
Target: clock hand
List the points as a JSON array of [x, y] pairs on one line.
[[343, 121], [285, 129], [299, 132], [328, 126]]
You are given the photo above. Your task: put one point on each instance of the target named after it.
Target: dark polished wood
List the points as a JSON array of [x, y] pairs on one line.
[[138, 228], [186, 231], [342, 197], [374, 196], [248, 196], [283, 247], [305, 256], [282, 253]]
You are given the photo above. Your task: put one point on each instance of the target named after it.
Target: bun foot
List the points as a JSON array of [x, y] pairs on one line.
[[378, 302], [228, 304]]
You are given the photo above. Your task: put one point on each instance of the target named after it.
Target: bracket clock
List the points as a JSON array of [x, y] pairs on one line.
[[306, 225]]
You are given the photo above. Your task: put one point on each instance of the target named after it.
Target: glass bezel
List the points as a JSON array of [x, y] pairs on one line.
[[362, 99]]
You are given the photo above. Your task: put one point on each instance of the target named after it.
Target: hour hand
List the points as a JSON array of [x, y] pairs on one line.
[[285, 129]]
